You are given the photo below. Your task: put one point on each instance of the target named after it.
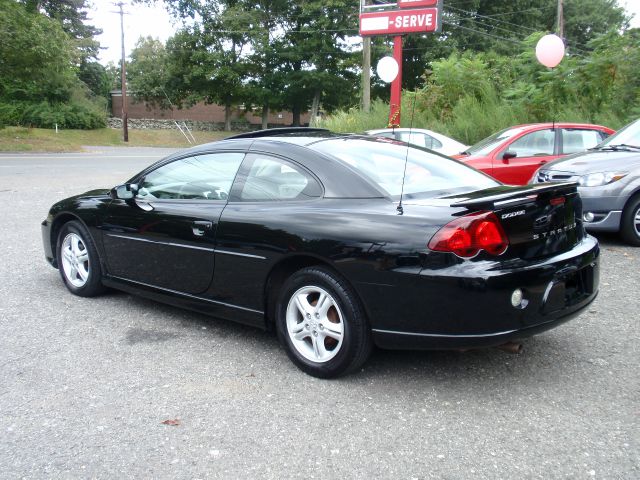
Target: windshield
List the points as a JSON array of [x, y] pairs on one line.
[[427, 174], [484, 147], [628, 136]]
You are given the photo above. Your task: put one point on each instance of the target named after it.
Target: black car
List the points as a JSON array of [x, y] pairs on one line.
[[338, 242]]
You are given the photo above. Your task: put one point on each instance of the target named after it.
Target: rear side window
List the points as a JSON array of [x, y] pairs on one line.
[[275, 179], [427, 174], [574, 140], [420, 139]]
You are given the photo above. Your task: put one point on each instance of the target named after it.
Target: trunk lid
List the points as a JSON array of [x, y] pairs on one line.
[[539, 220]]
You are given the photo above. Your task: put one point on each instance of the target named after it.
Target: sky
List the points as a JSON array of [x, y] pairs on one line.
[[140, 21], [156, 22]]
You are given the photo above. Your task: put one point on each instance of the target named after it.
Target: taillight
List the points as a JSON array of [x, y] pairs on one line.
[[467, 236]]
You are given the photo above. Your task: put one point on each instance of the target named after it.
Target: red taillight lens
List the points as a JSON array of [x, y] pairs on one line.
[[466, 236]]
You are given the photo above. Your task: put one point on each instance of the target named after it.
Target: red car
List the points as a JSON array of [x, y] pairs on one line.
[[514, 154]]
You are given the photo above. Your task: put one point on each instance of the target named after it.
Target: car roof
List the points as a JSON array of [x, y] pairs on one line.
[[558, 124]]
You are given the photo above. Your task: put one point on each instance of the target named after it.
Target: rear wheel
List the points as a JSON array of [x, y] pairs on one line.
[[78, 260], [630, 228], [321, 324]]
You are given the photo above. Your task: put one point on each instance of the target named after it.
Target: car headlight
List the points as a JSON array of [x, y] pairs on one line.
[[600, 178]]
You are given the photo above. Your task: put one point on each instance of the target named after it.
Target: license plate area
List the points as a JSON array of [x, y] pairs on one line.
[[571, 289]]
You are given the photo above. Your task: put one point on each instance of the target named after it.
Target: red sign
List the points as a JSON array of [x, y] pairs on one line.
[[417, 3], [397, 22]]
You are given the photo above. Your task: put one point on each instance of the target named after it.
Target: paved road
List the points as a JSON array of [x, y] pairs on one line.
[[85, 384]]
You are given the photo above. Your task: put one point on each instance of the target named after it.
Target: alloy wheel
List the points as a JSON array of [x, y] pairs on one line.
[[315, 324], [75, 260]]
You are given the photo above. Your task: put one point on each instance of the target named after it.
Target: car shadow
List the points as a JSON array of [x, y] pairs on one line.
[[541, 356]]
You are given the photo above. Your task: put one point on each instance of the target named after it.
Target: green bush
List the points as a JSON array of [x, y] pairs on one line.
[[74, 115]]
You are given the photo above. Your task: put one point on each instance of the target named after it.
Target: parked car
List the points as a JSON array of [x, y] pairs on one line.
[[423, 138], [306, 232], [609, 182], [514, 154]]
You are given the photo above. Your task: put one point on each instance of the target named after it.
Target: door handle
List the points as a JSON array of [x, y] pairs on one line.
[[199, 227]]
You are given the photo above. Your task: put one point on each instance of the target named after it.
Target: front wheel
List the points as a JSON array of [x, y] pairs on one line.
[[78, 260], [321, 324], [630, 228]]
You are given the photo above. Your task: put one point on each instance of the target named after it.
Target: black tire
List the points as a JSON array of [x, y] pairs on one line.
[[82, 278], [630, 227], [345, 354]]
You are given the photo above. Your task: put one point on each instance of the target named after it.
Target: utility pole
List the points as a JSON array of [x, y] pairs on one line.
[[366, 74], [560, 26], [123, 72]]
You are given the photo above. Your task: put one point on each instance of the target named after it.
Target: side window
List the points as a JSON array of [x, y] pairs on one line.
[[420, 139], [201, 177], [273, 179], [579, 140], [538, 143], [413, 138], [386, 135]]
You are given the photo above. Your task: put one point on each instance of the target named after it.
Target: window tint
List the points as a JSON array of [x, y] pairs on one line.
[[534, 144], [386, 135], [427, 174], [201, 177], [578, 140], [273, 179], [420, 139]]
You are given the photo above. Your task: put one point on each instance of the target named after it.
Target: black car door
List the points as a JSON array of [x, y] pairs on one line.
[[165, 236], [269, 195]]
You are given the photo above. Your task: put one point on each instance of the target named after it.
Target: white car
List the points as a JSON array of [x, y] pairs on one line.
[[423, 138]]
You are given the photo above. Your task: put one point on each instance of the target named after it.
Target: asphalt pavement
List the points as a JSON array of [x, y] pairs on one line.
[[122, 387]]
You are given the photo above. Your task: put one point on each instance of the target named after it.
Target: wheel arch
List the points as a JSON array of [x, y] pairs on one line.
[[282, 270], [60, 221], [634, 195]]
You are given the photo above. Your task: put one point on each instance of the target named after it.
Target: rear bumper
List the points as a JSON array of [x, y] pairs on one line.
[[469, 305], [423, 341]]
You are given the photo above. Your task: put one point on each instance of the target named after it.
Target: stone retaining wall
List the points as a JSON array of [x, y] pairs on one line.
[[149, 124]]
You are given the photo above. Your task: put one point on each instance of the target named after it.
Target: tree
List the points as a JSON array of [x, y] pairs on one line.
[[72, 16], [38, 73], [147, 71], [95, 77], [36, 56]]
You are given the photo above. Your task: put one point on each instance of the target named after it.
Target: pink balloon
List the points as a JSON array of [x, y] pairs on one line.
[[550, 50]]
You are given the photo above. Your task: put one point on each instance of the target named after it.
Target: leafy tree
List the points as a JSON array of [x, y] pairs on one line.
[[38, 73], [72, 16], [95, 77], [36, 56], [147, 71]]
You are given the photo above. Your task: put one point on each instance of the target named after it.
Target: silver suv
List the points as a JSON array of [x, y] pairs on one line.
[[608, 176]]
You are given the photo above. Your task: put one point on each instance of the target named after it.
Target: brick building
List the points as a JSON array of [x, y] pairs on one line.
[[200, 112]]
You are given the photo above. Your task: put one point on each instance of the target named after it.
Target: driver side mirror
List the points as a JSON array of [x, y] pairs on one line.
[[509, 154], [125, 192]]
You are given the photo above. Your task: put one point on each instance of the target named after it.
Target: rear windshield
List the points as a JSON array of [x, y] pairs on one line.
[[383, 161]]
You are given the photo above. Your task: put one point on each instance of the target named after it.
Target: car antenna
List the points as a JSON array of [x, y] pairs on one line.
[[400, 208]]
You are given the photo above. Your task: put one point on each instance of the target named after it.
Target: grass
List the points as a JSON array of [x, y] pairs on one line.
[[20, 139]]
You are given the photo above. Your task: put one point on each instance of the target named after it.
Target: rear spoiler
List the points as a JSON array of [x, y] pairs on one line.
[[517, 196]]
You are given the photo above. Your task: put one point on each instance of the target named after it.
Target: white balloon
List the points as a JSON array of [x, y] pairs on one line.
[[387, 69], [550, 50]]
